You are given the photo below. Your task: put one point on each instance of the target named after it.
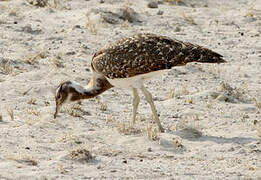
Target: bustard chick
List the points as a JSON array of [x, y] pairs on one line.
[[129, 62]]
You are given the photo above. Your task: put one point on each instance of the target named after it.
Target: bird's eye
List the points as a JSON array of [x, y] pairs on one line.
[[59, 96]]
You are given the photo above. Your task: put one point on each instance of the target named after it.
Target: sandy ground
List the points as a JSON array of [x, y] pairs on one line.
[[211, 113]]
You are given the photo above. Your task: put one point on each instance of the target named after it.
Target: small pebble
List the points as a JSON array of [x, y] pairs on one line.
[[177, 29], [149, 149], [77, 26], [153, 4], [160, 12], [124, 161], [102, 1], [231, 149], [251, 168], [78, 142], [71, 53]]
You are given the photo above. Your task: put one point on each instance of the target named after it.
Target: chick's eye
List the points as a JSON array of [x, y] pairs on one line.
[[59, 96]]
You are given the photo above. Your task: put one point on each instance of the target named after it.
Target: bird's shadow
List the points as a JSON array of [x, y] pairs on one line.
[[197, 136], [224, 140]]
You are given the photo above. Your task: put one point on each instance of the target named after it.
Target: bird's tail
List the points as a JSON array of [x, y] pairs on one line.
[[195, 53]]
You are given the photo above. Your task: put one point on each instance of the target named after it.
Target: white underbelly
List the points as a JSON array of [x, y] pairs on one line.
[[135, 81]]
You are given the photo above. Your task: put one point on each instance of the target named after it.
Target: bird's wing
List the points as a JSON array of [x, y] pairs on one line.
[[144, 53]]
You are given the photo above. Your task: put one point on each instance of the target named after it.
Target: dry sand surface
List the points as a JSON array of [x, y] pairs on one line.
[[211, 113]]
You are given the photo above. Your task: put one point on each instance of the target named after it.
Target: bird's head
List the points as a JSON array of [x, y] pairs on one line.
[[67, 92]]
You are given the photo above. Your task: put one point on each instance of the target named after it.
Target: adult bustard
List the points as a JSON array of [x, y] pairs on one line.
[[129, 62]]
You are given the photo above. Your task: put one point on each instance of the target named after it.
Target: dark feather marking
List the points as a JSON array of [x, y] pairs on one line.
[[144, 53]]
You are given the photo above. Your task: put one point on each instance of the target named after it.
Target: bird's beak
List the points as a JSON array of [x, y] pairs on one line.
[[56, 110]]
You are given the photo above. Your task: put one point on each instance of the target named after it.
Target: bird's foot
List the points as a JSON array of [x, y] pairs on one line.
[[161, 129], [132, 124]]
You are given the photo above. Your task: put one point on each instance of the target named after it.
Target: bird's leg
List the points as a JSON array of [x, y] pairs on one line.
[[148, 97], [135, 103]]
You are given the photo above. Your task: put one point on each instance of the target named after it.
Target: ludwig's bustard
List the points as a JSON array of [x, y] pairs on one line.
[[130, 61]]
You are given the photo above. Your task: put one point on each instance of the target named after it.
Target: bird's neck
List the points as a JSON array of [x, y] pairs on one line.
[[96, 86]]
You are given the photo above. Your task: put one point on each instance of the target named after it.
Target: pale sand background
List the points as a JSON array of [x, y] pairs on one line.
[[40, 47]]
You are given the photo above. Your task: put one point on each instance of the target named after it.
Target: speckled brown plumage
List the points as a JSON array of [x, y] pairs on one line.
[[144, 53]]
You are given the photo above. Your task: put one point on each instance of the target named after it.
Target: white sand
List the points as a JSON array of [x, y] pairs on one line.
[[40, 47]]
